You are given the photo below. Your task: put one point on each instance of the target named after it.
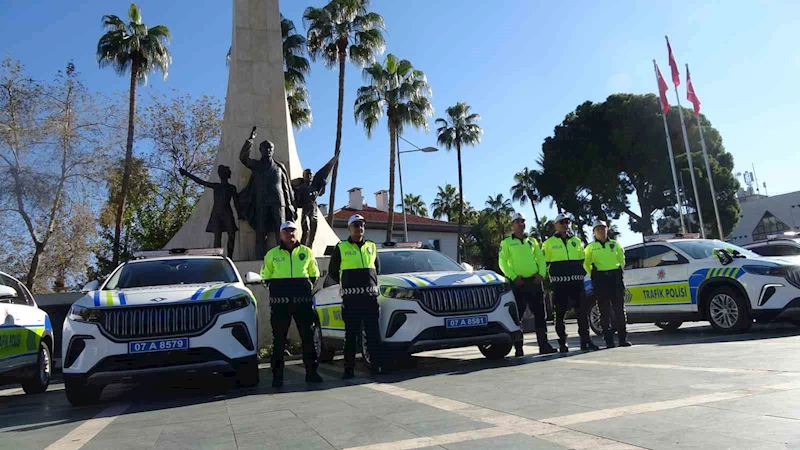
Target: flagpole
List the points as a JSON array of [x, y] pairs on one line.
[[671, 158], [689, 158], [708, 171]]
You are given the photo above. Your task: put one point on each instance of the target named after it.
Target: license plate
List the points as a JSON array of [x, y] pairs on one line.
[[161, 345], [468, 321]]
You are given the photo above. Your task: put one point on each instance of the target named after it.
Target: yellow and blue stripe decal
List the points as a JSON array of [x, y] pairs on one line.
[[109, 298], [207, 293], [488, 277], [698, 277]]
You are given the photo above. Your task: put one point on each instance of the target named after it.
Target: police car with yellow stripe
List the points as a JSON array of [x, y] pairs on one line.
[[671, 279], [26, 338], [162, 313], [427, 302]]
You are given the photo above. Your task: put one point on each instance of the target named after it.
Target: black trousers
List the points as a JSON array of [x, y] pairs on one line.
[[609, 291], [358, 310], [308, 223], [566, 296], [531, 295], [281, 318]]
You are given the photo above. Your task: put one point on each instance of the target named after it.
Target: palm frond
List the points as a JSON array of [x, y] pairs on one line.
[[134, 13]]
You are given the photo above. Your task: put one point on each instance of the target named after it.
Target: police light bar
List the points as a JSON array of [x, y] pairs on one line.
[[664, 237], [179, 252], [402, 245], [785, 234]]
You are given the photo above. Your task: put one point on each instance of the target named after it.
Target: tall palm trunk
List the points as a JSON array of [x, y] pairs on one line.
[[460, 199], [338, 147], [126, 172], [535, 214], [392, 150]]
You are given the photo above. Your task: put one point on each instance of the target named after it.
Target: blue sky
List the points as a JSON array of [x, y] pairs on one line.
[[522, 65]]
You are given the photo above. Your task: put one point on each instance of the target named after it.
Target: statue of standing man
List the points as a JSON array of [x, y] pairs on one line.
[[268, 199]]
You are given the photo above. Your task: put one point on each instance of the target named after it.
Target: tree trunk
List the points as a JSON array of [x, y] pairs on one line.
[[34, 268], [460, 199], [535, 214], [338, 147], [392, 150], [126, 173]]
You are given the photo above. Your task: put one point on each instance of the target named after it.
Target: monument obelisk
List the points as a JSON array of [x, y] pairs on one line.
[[255, 97]]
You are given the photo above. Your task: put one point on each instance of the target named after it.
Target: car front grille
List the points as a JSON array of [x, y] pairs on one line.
[[157, 321], [459, 299], [793, 277]]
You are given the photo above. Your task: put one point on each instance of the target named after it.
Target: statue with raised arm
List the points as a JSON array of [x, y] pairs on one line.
[[268, 199], [222, 219], [306, 192]]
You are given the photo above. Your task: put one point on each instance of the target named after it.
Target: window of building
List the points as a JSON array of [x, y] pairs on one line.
[[769, 224]]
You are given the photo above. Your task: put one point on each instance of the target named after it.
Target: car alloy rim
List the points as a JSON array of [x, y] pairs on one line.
[[317, 340], [724, 310], [594, 317], [44, 366], [364, 349]]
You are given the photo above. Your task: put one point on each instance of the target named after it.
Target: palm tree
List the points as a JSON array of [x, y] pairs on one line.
[[446, 203], [414, 205], [134, 48], [295, 69], [340, 29], [401, 92], [456, 130], [498, 207], [525, 190]]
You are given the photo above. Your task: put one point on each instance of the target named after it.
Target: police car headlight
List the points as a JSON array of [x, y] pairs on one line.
[[82, 314], [397, 292], [767, 271], [234, 303]]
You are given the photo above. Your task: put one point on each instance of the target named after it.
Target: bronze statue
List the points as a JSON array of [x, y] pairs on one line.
[[268, 199], [306, 192], [221, 220]]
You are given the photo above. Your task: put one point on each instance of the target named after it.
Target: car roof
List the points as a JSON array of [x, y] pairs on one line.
[[790, 241], [167, 258]]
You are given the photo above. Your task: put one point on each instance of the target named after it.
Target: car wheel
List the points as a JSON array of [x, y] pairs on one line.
[[247, 372], [594, 317], [726, 311], [669, 326], [41, 377], [495, 351], [79, 393], [362, 343], [324, 354]]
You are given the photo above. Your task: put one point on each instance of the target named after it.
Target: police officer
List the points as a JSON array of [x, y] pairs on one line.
[[355, 266], [290, 271], [563, 253], [605, 259], [522, 262]]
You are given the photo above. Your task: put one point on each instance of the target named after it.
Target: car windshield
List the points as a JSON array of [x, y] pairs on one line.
[[408, 261], [702, 249], [166, 272]]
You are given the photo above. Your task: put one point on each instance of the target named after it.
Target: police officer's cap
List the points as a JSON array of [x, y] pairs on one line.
[[288, 225], [599, 223], [561, 217], [517, 216], [355, 218]]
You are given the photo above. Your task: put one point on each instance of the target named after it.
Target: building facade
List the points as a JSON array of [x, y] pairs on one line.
[[762, 216]]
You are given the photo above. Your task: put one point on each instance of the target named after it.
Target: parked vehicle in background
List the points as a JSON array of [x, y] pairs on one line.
[[785, 244], [26, 338]]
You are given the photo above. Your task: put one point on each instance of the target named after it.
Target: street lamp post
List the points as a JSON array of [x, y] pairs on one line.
[[400, 170]]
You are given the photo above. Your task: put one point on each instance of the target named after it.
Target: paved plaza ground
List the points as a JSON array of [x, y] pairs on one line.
[[689, 389]]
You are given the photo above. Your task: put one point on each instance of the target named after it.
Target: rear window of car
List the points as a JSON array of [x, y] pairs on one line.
[[166, 272]]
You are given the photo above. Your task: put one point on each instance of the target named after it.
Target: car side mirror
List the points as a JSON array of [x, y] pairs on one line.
[[670, 258], [467, 267], [7, 292], [90, 286], [252, 278]]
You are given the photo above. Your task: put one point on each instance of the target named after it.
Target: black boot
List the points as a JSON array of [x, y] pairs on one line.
[[312, 376], [518, 352], [562, 345], [544, 347], [348, 374], [589, 345], [623, 340], [608, 335], [277, 375]]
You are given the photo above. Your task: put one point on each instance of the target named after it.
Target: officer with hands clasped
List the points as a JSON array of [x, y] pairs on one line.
[[355, 266], [522, 262], [605, 260], [290, 271], [564, 255]]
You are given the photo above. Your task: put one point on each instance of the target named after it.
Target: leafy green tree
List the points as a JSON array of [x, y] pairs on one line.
[[414, 205], [401, 92], [134, 48], [525, 191], [340, 30], [544, 230], [499, 207], [456, 130], [446, 203]]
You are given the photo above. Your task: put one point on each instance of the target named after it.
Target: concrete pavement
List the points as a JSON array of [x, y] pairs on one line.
[[688, 389]]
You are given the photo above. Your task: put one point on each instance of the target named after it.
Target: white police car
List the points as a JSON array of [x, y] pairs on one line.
[[167, 312], [674, 280], [26, 338], [427, 302]]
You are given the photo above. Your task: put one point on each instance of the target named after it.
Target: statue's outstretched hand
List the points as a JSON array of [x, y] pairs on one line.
[[253, 133]]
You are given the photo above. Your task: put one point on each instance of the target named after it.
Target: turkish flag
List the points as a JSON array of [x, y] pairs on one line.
[[662, 90], [690, 95], [676, 76]]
